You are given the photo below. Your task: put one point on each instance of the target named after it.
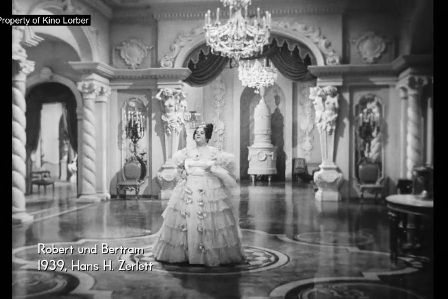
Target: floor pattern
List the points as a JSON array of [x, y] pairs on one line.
[[257, 259], [346, 289], [285, 260], [296, 248]]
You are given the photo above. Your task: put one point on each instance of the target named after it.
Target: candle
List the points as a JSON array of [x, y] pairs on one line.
[[205, 18], [208, 17], [264, 62], [245, 12], [264, 22], [230, 11], [217, 15], [258, 13]]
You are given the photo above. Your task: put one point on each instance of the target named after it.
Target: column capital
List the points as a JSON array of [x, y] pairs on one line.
[[170, 85], [22, 69], [413, 84], [103, 94], [89, 90]]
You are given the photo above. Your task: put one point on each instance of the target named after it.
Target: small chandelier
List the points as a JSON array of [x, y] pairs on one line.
[[238, 38], [256, 75]]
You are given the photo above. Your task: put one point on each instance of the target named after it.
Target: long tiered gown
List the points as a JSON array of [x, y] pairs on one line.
[[201, 218]]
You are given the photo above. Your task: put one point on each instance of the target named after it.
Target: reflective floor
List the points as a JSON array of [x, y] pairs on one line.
[[296, 248]]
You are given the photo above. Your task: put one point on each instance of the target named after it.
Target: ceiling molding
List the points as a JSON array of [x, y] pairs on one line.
[[136, 15], [106, 71]]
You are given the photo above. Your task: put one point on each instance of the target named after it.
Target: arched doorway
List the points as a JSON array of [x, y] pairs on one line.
[[52, 135]]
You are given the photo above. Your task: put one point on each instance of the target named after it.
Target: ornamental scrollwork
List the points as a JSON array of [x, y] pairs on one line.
[[167, 60], [218, 91], [370, 46], [133, 52]]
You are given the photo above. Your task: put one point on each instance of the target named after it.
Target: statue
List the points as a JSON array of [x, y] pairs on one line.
[[325, 102], [174, 106]]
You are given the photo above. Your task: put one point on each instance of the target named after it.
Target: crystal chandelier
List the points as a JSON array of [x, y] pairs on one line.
[[240, 37], [256, 75]]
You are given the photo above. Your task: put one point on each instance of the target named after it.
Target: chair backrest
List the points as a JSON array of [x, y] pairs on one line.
[[369, 173], [134, 169], [300, 165]]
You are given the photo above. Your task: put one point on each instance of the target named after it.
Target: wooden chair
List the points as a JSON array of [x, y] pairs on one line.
[[300, 170], [41, 178], [369, 180], [133, 175]]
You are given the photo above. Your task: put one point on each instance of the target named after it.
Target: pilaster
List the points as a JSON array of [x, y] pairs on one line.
[[411, 86], [101, 107], [328, 179], [173, 106]]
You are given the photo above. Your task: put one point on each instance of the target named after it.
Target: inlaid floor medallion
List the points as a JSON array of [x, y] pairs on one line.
[[349, 290], [33, 283], [258, 259]]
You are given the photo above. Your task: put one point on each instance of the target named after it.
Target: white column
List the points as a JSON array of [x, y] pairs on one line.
[[101, 146], [90, 91], [403, 130], [414, 146], [327, 179], [22, 69]]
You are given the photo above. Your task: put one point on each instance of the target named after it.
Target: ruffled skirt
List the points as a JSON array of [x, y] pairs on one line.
[[199, 225]]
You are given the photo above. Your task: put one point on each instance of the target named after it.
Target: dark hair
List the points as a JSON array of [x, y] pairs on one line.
[[208, 130]]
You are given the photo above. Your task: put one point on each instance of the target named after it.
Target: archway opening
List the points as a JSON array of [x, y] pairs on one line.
[[52, 141]]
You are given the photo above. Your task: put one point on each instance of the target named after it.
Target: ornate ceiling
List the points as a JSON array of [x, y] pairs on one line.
[[303, 6]]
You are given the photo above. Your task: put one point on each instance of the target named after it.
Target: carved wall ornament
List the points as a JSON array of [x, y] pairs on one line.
[[133, 52], [218, 89], [326, 106], [167, 60], [262, 155], [306, 125], [174, 105], [370, 46], [46, 73]]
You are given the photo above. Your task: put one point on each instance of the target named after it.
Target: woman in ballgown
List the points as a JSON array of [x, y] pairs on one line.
[[201, 218]]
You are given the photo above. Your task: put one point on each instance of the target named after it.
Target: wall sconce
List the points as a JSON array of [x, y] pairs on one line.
[[193, 119]]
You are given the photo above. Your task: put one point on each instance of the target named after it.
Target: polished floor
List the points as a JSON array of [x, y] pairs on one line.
[[296, 248]]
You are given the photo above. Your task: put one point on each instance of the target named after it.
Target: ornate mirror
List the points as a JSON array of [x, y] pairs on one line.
[[134, 134], [368, 126]]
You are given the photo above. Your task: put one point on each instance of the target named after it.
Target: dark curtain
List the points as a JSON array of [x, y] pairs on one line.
[[208, 67], [49, 93], [289, 63]]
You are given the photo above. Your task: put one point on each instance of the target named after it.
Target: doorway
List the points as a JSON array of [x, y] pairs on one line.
[[52, 141]]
